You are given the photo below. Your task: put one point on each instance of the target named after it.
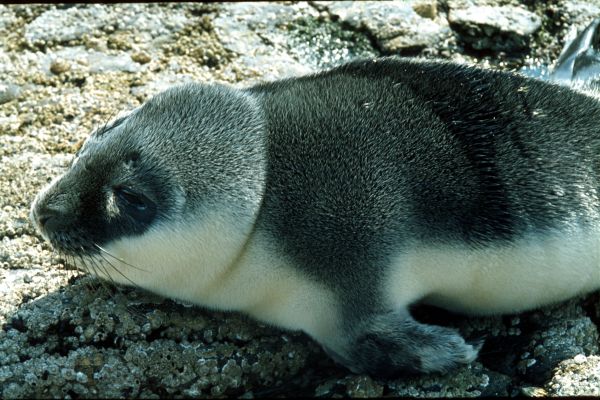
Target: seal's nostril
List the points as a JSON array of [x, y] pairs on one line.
[[43, 219], [48, 218]]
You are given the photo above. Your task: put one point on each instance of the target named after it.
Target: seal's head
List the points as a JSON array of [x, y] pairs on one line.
[[186, 161]]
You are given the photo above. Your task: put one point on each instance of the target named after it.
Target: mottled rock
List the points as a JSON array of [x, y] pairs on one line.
[[96, 338], [7, 16], [362, 386], [58, 26], [66, 336], [563, 336], [395, 25], [469, 381], [579, 376], [496, 28], [8, 92]]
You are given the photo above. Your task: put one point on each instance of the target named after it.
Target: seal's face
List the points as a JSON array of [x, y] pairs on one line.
[[169, 191], [108, 192]]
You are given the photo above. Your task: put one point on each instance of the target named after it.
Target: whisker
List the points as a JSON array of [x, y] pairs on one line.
[[90, 263], [103, 125], [115, 286], [99, 267], [119, 288], [119, 272], [68, 266], [79, 257], [73, 264], [92, 285], [117, 258]]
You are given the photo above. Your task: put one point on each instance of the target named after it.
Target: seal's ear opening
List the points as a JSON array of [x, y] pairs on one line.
[[132, 158]]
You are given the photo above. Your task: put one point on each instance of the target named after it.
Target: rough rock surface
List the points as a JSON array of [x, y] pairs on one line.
[[495, 28], [65, 69], [396, 26], [577, 376]]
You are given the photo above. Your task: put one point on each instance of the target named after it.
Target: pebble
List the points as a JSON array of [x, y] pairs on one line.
[[426, 9], [88, 60], [141, 57], [59, 66], [580, 358], [8, 92]]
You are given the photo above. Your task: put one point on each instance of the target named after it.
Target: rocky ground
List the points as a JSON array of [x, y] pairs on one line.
[[66, 69]]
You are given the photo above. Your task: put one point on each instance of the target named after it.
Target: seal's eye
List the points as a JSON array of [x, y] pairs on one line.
[[134, 204], [131, 198]]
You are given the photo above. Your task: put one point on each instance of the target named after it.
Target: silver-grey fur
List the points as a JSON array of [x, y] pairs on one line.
[[332, 202]]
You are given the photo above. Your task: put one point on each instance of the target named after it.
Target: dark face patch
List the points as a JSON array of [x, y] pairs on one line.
[[112, 190]]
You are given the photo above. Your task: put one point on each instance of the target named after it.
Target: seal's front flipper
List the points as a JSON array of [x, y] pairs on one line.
[[393, 343], [580, 58]]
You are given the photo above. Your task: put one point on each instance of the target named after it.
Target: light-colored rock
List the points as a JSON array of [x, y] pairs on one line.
[[88, 60], [63, 337], [576, 377], [251, 31], [395, 25], [58, 26], [8, 92], [497, 28], [7, 16]]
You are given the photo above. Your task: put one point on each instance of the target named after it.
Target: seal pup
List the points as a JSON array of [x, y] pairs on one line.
[[330, 203]]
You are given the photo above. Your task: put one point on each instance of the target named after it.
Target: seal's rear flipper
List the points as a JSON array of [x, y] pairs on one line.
[[392, 344], [580, 58]]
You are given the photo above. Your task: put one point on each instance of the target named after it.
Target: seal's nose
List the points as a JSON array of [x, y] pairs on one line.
[[42, 219], [49, 219]]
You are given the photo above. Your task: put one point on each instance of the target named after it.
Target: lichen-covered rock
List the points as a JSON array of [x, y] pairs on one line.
[[496, 28], [395, 25], [7, 17], [578, 376], [64, 25], [8, 92], [63, 335]]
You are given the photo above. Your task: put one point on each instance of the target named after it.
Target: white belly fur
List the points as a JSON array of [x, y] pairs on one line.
[[498, 279], [212, 263]]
